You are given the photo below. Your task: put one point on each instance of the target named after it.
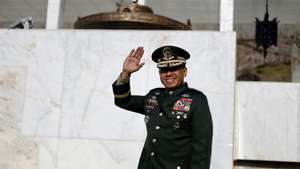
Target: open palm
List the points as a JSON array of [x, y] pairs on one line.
[[132, 61]]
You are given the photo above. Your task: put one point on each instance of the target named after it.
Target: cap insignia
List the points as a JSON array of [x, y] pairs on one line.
[[168, 55]]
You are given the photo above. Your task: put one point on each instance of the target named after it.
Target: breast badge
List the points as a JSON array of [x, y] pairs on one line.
[[183, 104]]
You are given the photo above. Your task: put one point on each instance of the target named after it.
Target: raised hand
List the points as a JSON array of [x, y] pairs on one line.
[[132, 61]]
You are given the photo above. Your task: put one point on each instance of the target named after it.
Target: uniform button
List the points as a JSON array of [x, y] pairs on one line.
[[185, 116], [154, 140], [157, 127], [160, 114], [152, 153]]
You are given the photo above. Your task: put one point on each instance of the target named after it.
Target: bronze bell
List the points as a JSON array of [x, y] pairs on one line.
[[132, 16]]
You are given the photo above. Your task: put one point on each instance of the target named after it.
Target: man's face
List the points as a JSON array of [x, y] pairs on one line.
[[172, 79]]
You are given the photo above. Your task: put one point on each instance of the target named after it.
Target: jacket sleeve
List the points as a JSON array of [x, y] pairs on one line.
[[202, 133], [125, 100]]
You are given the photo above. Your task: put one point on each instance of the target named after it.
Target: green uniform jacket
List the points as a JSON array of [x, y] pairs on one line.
[[179, 126]]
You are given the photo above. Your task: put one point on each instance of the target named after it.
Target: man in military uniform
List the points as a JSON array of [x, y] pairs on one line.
[[178, 119]]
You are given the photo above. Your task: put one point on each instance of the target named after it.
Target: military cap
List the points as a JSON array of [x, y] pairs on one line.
[[168, 57]]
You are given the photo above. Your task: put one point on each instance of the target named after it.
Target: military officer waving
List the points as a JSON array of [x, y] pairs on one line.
[[177, 117]]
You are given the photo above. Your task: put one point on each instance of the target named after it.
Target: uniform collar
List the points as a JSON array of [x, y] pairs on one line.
[[179, 90], [167, 99]]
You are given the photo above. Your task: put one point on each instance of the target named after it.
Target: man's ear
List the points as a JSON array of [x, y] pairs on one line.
[[185, 72]]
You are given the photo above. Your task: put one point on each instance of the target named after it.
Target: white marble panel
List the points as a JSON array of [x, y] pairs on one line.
[[88, 109], [16, 151], [221, 107], [90, 154], [42, 54], [222, 118], [47, 152], [221, 157], [12, 88], [295, 63], [267, 117]]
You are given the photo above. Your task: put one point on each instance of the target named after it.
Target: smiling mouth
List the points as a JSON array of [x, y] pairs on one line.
[[170, 80]]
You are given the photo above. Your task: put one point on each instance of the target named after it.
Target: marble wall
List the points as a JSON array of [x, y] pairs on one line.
[[56, 99], [267, 121], [295, 63]]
